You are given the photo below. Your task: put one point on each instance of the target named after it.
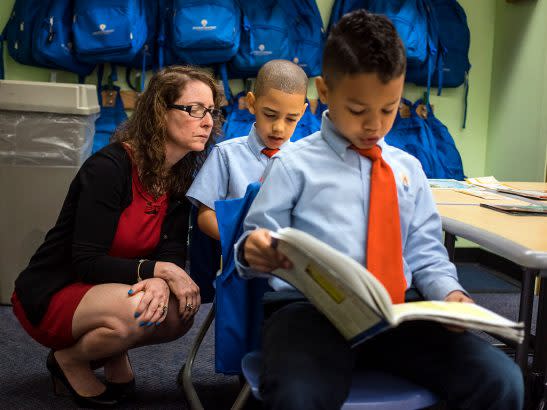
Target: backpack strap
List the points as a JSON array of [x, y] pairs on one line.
[[2, 38], [161, 33], [466, 85], [223, 72]]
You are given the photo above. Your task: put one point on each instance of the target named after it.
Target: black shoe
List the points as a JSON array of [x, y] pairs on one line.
[[105, 399], [122, 391]]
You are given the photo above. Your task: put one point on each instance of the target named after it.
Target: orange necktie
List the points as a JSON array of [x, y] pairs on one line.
[[384, 244], [270, 152]]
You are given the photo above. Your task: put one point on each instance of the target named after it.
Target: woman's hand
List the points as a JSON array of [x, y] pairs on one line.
[[261, 255], [182, 286], [154, 304]]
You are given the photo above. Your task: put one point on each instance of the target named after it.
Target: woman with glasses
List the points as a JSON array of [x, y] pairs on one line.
[[110, 274]]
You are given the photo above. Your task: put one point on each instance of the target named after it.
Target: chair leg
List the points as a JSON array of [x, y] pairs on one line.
[[242, 397], [187, 385], [525, 315]]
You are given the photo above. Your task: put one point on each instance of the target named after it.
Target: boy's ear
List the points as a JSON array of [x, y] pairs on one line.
[[322, 89], [303, 109], [251, 100]]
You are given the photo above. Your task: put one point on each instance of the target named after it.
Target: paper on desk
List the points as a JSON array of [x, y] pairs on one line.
[[449, 184], [491, 182], [481, 193]]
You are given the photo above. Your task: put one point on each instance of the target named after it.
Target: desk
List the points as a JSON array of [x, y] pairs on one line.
[[521, 239]]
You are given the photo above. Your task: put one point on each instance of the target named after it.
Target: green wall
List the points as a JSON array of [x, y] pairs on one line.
[[486, 142], [517, 137]]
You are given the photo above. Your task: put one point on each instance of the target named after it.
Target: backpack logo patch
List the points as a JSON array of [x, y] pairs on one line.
[[102, 30], [261, 51], [204, 26]]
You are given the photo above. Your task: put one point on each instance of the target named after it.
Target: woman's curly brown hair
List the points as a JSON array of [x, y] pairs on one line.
[[146, 131]]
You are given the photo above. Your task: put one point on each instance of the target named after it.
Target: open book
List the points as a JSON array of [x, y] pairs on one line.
[[358, 304]]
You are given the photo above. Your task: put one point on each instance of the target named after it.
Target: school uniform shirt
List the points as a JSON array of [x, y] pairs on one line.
[[321, 186], [229, 168]]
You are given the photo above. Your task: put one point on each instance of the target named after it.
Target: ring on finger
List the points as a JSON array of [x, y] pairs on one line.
[[164, 310], [189, 306]]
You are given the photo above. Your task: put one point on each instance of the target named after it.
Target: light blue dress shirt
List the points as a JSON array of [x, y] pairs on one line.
[[229, 168], [321, 186]]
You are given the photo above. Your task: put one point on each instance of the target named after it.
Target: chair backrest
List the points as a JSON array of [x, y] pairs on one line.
[[369, 390], [238, 320]]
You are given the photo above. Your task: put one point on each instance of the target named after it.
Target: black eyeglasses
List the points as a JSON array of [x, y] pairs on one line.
[[197, 111]]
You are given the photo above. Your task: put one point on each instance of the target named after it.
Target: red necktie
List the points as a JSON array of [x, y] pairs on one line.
[[384, 244], [270, 152]]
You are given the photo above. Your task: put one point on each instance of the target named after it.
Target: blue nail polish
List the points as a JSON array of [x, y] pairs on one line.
[[142, 324], [137, 314], [158, 323], [130, 292], [150, 324]]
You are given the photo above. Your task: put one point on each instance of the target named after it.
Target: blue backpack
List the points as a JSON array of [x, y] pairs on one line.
[[238, 119], [109, 30], [411, 135], [265, 36], [307, 37], [307, 125], [451, 32], [144, 59], [409, 17], [447, 152], [204, 32], [428, 140], [19, 30], [53, 41]]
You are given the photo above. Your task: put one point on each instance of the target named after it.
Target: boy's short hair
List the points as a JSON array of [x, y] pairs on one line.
[[282, 75], [362, 42]]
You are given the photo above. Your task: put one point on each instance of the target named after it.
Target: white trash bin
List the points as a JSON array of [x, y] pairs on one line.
[[46, 133]]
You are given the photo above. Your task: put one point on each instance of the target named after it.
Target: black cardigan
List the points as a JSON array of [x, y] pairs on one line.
[[76, 248]]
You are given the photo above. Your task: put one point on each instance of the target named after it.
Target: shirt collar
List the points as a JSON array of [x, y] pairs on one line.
[[256, 145], [335, 140]]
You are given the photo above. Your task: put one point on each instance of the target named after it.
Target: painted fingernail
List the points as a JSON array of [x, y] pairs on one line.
[[130, 292], [158, 323], [137, 314], [150, 324], [142, 324]]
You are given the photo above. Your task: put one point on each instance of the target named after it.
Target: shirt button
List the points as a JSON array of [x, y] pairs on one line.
[[164, 236]]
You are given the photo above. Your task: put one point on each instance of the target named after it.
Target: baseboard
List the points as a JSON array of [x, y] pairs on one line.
[[489, 260]]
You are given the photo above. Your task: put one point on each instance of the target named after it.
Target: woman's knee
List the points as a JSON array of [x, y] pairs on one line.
[[173, 327]]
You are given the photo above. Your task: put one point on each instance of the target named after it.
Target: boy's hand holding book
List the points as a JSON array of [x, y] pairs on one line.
[[262, 255], [457, 296]]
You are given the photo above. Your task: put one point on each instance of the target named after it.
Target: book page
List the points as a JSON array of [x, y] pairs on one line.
[[339, 301], [341, 266], [468, 315]]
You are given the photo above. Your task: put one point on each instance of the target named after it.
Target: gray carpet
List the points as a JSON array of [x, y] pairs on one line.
[[25, 382]]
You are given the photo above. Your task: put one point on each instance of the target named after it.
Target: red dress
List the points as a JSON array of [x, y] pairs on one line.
[[137, 235]]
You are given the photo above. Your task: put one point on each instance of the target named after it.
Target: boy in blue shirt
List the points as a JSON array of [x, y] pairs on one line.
[[327, 185], [278, 102]]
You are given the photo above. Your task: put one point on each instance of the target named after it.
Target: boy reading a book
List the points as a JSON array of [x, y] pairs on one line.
[[347, 187], [278, 102]]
